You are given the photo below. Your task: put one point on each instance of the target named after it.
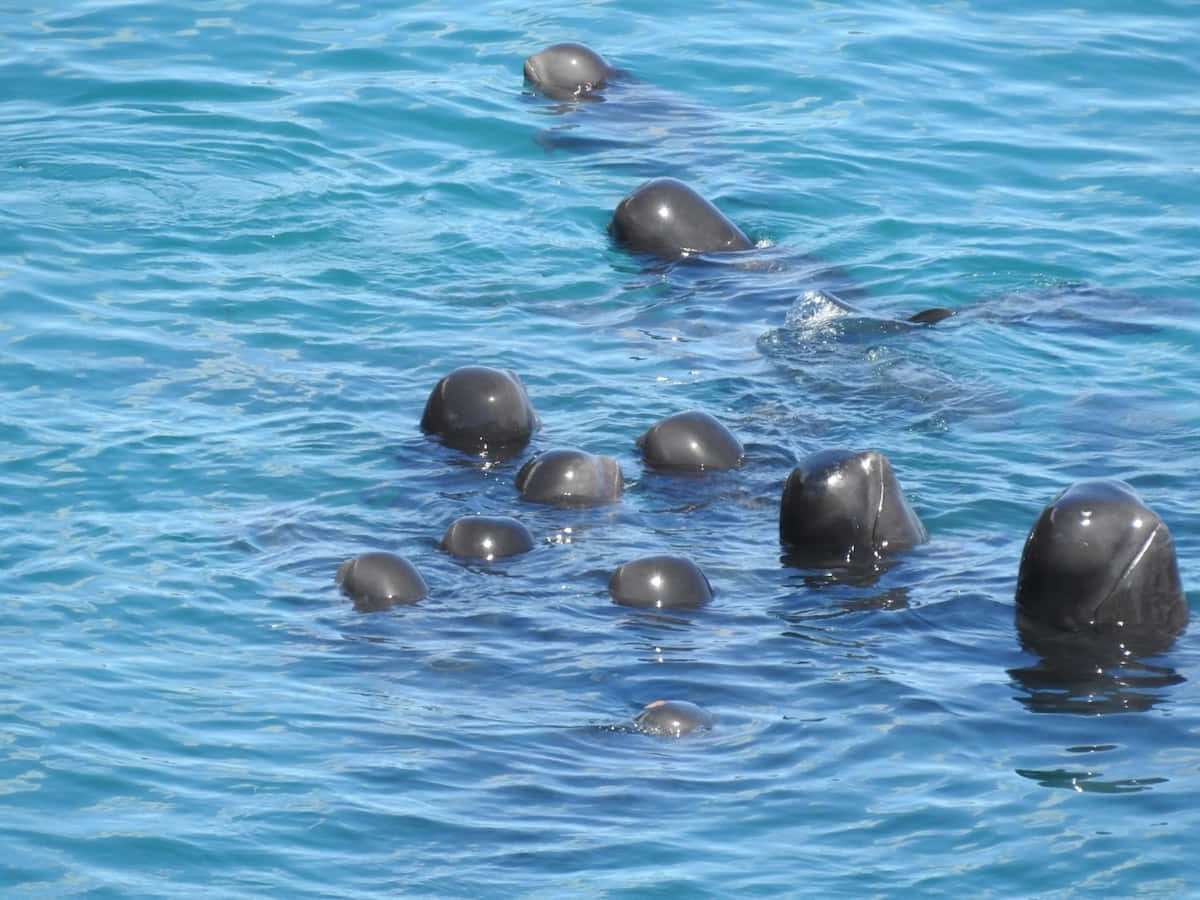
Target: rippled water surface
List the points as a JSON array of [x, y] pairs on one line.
[[239, 243]]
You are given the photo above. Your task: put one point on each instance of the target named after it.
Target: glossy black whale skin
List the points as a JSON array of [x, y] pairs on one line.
[[845, 508], [666, 218], [1099, 561]]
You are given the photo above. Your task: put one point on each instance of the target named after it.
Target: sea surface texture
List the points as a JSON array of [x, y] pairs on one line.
[[241, 242]]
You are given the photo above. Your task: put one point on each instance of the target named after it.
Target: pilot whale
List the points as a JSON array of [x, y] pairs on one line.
[[568, 71], [377, 580], [660, 582], [486, 537], [846, 509], [569, 477], [1098, 562], [666, 218], [672, 718], [690, 441], [480, 410]]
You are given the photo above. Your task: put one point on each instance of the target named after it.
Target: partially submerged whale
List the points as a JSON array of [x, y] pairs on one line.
[[666, 218], [672, 718], [660, 582], [1100, 564], [843, 508], [481, 410], [568, 71], [486, 537], [376, 581], [604, 108], [690, 441], [571, 478]]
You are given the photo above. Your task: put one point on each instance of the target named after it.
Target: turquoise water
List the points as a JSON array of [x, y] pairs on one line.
[[240, 244]]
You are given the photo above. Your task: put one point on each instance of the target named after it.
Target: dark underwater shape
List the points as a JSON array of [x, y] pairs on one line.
[[568, 71], [668, 219], [690, 441], [480, 410], [379, 580], [672, 718], [569, 477], [845, 508], [660, 582], [486, 537], [931, 316], [1098, 562]]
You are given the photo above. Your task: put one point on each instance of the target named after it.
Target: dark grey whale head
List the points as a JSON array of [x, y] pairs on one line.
[[691, 441], [376, 581], [568, 71], [668, 219], [481, 410], [660, 582], [486, 537], [845, 508], [1099, 563], [672, 718], [568, 477]]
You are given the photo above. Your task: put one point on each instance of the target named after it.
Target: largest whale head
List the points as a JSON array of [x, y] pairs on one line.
[[568, 71], [666, 218], [1099, 562]]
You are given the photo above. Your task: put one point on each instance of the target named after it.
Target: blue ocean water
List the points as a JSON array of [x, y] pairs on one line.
[[239, 243]]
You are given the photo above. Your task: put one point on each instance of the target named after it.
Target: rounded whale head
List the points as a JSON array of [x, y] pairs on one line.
[[486, 537], [845, 508], [480, 410], [672, 718], [569, 477], [660, 582], [1099, 561], [377, 581], [668, 219], [691, 441], [567, 71]]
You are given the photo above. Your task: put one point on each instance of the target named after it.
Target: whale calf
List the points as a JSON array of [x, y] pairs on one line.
[[377, 581], [569, 477], [1099, 562], [691, 441], [845, 508], [666, 218], [672, 718], [568, 71], [660, 582], [486, 537], [480, 410]]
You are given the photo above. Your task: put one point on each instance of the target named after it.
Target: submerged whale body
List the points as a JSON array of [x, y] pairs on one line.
[[480, 410], [691, 441], [568, 71], [376, 581], [1100, 565], [845, 508], [660, 582], [570, 478], [672, 718], [486, 537], [666, 218]]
